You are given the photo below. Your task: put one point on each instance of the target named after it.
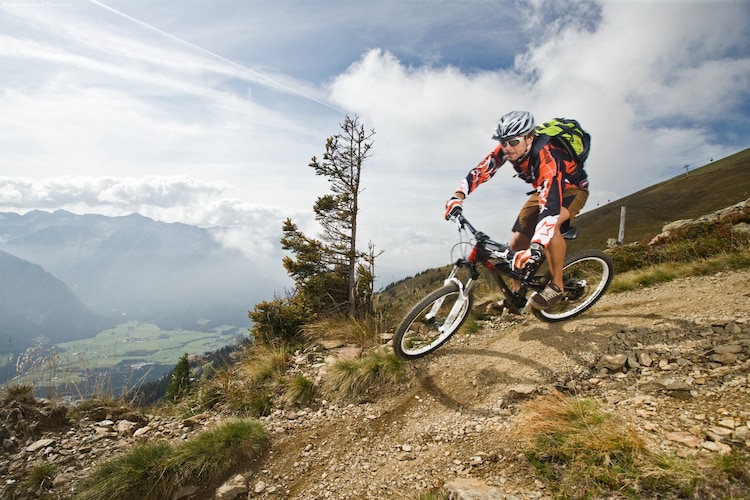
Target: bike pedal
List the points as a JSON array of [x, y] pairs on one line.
[[527, 306]]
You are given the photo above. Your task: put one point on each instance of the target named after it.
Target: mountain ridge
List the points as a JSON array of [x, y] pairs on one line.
[[33, 303]]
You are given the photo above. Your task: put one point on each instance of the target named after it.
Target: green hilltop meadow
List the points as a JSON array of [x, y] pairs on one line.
[[719, 184]]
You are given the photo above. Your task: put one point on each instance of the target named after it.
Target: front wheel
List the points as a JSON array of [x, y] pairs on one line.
[[586, 276], [432, 321]]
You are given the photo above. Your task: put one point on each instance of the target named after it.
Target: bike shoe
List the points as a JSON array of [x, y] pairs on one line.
[[547, 298]]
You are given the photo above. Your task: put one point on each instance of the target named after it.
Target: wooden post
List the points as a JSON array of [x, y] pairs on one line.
[[621, 235]]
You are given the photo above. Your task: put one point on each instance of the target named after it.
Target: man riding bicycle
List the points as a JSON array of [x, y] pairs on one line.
[[560, 192]]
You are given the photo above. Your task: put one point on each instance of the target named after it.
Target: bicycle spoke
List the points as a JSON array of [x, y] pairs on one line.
[[432, 322], [586, 277]]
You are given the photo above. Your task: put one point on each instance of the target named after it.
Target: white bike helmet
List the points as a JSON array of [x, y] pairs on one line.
[[513, 124]]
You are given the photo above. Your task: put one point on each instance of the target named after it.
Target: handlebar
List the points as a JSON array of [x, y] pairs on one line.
[[498, 250]]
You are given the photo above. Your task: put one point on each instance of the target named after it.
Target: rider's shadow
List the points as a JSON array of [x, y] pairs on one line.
[[574, 344], [484, 377]]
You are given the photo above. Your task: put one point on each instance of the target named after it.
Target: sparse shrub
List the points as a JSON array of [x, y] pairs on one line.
[[139, 473], [41, 476], [154, 471], [248, 387], [684, 244], [352, 377], [20, 392], [629, 257], [355, 330], [206, 458], [180, 383], [210, 394], [735, 467], [261, 403], [264, 364], [279, 321], [300, 390]]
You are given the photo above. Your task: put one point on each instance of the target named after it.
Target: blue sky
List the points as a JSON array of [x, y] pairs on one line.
[[208, 112]]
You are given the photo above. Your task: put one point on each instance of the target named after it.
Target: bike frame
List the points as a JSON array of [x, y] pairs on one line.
[[483, 252]]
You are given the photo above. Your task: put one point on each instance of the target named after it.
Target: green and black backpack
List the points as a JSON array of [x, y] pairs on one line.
[[569, 134]]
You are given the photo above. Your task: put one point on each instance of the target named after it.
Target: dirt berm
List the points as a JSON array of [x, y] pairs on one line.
[[683, 386]]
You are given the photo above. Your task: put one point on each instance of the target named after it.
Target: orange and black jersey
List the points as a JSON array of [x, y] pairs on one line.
[[548, 167]]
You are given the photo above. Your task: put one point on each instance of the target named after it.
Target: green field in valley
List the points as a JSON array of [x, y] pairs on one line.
[[145, 342], [129, 353]]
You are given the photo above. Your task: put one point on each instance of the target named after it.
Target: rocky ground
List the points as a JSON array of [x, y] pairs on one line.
[[673, 359]]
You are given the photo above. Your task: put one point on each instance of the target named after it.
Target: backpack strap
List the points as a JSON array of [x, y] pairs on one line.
[[539, 143]]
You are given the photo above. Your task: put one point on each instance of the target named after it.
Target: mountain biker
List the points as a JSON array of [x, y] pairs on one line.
[[560, 192]]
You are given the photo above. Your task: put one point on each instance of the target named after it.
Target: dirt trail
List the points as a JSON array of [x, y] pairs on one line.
[[454, 417]]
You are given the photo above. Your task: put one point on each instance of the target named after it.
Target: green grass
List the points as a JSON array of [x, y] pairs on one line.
[[41, 476], [300, 390], [154, 471], [213, 453], [140, 473], [662, 273]]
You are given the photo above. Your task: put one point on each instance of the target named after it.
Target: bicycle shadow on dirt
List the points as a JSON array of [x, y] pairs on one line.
[[575, 346], [486, 378]]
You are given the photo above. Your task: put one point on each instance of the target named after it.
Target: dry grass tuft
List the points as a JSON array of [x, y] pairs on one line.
[[350, 378], [586, 453]]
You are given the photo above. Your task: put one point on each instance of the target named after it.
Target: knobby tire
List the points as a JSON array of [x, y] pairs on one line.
[[586, 276], [418, 335]]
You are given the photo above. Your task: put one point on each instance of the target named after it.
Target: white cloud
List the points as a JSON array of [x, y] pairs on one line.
[[184, 114]]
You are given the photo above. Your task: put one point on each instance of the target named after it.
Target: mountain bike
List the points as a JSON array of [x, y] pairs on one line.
[[434, 319]]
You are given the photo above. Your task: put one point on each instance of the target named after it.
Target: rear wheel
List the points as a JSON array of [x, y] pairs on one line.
[[432, 321], [586, 276]]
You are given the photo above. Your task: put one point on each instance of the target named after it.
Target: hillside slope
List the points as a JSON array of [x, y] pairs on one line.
[[33, 303], [456, 417], [704, 190]]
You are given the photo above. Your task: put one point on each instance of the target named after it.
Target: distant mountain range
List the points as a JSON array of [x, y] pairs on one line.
[[67, 276], [34, 303]]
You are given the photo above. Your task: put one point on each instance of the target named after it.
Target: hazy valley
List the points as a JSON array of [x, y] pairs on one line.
[[150, 290]]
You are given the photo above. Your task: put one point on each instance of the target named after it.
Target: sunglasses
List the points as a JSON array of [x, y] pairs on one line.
[[510, 142]]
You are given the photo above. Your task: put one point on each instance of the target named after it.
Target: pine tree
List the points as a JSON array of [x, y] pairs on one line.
[[180, 383], [327, 270]]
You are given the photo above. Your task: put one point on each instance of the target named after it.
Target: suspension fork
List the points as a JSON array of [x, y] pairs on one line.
[[464, 291]]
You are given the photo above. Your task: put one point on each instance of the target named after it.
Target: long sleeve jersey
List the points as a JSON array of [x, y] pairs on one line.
[[548, 168]]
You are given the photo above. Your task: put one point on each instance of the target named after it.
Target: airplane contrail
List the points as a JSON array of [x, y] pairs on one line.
[[268, 81]]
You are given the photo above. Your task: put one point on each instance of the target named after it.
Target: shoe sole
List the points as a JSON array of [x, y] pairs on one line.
[[540, 307]]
